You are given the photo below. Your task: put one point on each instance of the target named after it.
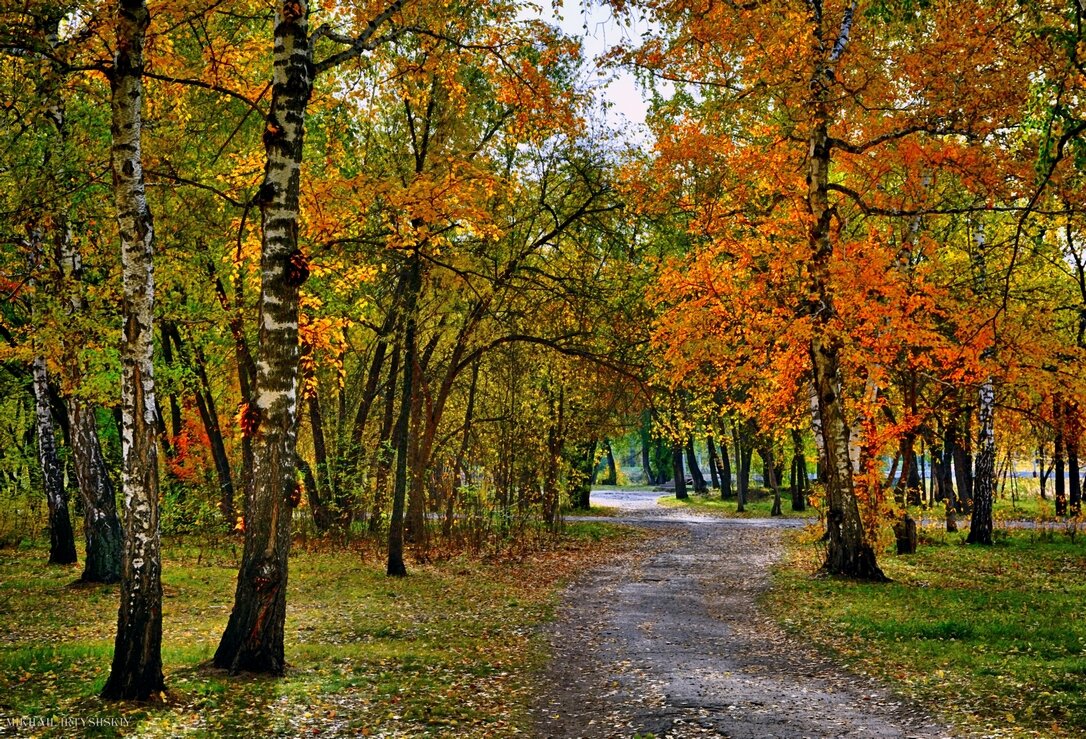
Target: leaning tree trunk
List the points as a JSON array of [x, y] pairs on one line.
[[695, 471], [980, 526], [848, 552], [253, 639], [61, 538], [137, 659]]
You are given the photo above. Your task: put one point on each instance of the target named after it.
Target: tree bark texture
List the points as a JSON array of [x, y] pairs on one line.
[[253, 640], [980, 526], [677, 470], [101, 526], [799, 471], [61, 538], [137, 662], [725, 471], [395, 566], [612, 470], [714, 463], [772, 480], [696, 477], [848, 552]]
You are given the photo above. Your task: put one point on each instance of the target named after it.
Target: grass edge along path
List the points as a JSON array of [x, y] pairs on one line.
[[449, 651], [758, 505], [991, 638]]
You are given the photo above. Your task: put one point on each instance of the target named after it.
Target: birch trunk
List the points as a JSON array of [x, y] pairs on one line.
[[61, 538], [137, 661], [980, 526], [253, 639]]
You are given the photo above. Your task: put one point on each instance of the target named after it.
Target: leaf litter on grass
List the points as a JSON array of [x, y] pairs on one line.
[[444, 652]]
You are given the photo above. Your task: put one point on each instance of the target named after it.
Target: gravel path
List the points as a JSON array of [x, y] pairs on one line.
[[670, 643]]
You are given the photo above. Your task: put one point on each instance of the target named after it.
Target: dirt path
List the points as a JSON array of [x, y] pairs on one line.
[[674, 646]]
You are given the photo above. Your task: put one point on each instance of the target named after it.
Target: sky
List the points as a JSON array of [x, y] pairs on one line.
[[599, 31]]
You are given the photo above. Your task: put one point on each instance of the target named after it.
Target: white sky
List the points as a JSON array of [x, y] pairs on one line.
[[599, 31]]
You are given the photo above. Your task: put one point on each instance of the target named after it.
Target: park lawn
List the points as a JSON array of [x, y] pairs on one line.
[[759, 504], [993, 638], [447, 651]]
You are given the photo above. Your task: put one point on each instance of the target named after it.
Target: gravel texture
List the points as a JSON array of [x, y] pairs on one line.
[[670, 642]]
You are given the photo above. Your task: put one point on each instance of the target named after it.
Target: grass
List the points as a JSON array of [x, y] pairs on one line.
[[994, 638], [448, 651], [759, 504], [600, 511]]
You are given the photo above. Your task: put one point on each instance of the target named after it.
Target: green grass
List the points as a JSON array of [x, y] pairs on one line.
[[448, 651], [993, 637], [759, 504]]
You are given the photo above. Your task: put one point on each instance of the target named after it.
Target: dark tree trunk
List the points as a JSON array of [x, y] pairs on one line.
[[907, 490], [963, 460], [771, 479], [1057, 456], [136, 673], [725, 472], [253, 639], [320, 453], [61, 538], [905, 533], [461, 470], [714, 463], [383, 455], [696, 477], [1043, 473], [396, 566], [612, 470], [980, 526], [313, 496], [744, 453], [848, 552], [175, 408], [799, 467], [678, 472], [101, 527]]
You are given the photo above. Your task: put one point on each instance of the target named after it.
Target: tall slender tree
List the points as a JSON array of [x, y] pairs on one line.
[[137, 655]]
